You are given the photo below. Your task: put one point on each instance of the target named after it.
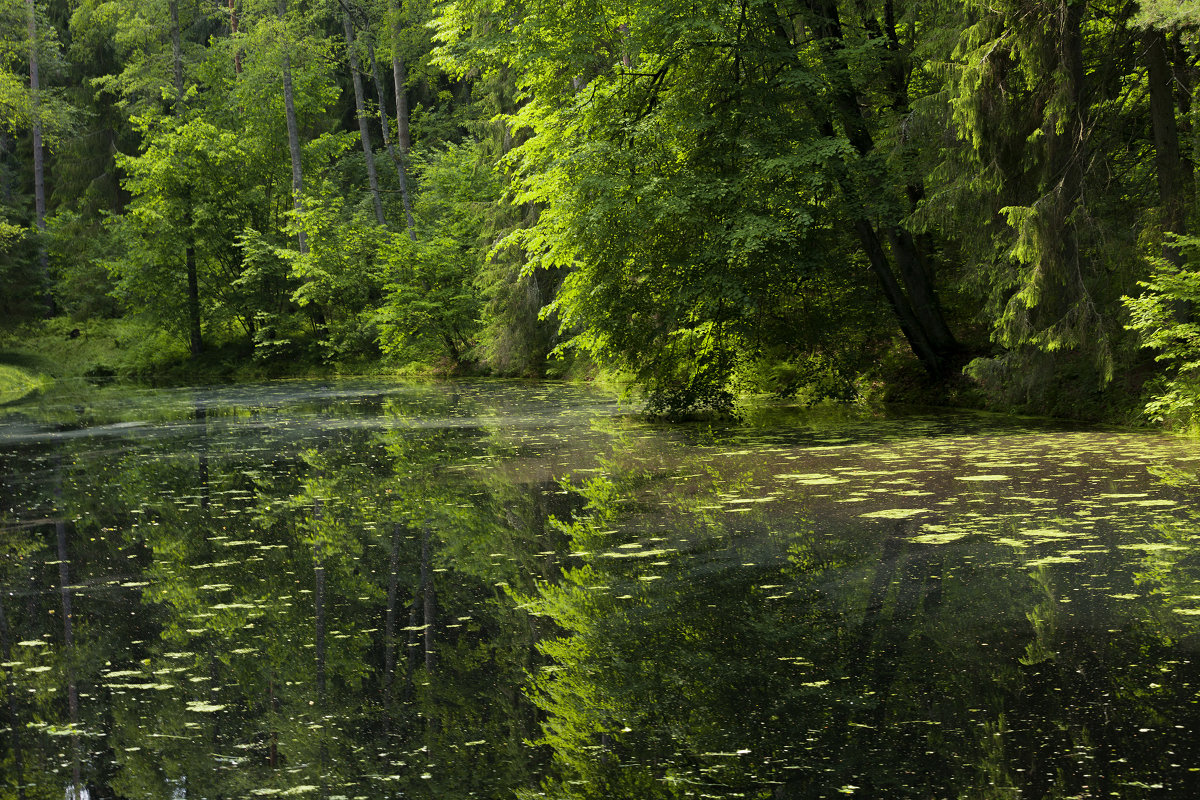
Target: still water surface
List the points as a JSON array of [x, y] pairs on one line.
[[493, 590]]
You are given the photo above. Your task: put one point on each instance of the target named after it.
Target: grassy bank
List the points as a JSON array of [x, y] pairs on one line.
[[62, 348], [18, 382]]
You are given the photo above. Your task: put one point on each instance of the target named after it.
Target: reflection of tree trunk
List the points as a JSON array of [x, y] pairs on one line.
[[64, 580], [14, 730], [273, 744], [888, 563], [414, 612], [360, 104], [200, 414], [888, 649], [319, 603], [430, 601], [389, 623]]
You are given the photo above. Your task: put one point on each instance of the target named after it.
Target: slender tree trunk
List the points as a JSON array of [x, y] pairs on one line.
[[1173, 179], [1068, 148], [195, 339], [360, 104], [39, 171], [233, 30], [400, 78], [387, 141], [5, 183], [176, 55], [293, 130]]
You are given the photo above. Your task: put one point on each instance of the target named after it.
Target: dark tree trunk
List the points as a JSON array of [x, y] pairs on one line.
[[39, 170], [1173, 179], [233, 30], [195, 339], [5, 183], [360, 108], [910, 293], [176, 56], [1068, 147]]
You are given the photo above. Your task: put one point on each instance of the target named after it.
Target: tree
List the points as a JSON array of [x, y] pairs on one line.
[[688, 168]]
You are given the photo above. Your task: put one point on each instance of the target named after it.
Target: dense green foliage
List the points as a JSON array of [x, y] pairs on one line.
[[798, 196]]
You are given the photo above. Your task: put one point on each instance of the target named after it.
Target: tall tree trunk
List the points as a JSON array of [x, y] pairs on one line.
[[1173, 178], [360, 107], [932, 359], [233, 30], [39, 171], [387, 141], [176, 56], [400, 78], [5, 183], [293, 131], [195, 339], [1067, 153]]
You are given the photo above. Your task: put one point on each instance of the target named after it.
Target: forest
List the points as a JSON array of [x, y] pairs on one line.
[[989, 204]]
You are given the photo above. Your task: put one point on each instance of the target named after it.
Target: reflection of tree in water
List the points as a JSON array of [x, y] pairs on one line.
[[771, 658], [321, 622], [687, 632]]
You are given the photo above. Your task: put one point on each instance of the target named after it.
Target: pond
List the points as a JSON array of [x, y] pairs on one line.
[[362, 589]]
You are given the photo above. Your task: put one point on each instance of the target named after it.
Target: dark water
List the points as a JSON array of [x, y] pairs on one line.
[[494, 590]]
